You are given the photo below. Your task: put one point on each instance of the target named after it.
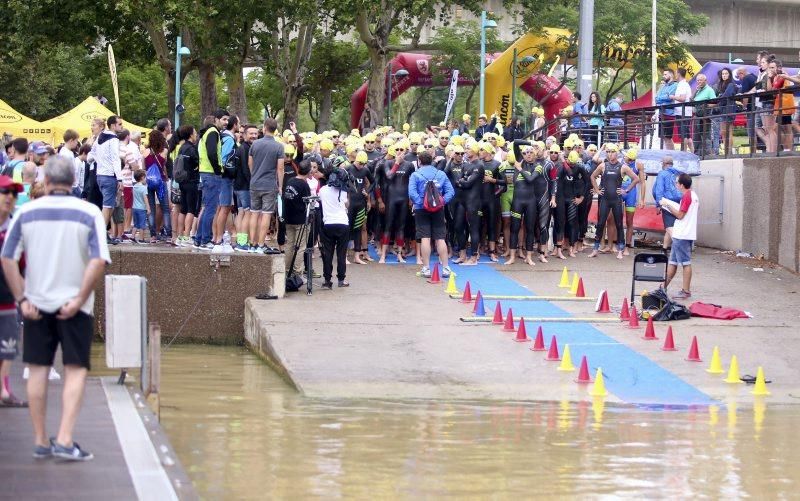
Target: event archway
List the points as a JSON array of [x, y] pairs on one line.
[[419, 75]]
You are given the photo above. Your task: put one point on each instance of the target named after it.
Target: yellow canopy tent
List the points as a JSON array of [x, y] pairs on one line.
[[18, 125], [80, 119]]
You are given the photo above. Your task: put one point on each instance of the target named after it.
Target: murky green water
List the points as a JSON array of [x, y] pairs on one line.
[[241, 433]]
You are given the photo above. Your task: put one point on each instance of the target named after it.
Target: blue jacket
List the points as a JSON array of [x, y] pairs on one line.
[[662, 97], [578, 109], [416, 185], [665, 186]]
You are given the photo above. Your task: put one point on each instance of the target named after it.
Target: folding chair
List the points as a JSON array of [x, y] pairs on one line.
[[648, 267]]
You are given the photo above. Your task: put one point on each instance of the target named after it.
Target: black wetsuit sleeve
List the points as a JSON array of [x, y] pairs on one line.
[[474, 176], [517, 152], [579, 181], [529, 175], [211, 150], [371, 180], [500, 177]]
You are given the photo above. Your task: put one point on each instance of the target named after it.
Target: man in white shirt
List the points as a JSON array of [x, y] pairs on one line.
[[70, 145], [61, 237], [106, 152], [683, 114], [684, 233]]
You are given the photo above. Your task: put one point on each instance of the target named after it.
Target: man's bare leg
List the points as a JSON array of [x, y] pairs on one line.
[[74, 384], [37, 402]]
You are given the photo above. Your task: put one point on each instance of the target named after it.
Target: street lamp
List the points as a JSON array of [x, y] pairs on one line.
[[399, 73], [179, 52], [485, 24], [525, 61]]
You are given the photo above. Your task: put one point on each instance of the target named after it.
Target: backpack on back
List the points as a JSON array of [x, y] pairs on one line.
[[231, 163], [432, 200], [179, 173]]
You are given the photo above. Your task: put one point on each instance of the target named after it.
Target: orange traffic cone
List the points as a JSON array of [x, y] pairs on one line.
[[624, 315], [498, 315], [538, 343], [694, 352], [552, 353], [509, 325], [435, 275], [580, 292], [522, 335], [602, 303], [633, 322], [583, 373], [650, 330], [669, 343], [467, 297]]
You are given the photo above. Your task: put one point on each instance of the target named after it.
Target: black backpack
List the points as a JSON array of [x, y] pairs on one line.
[[233, 161], [179, 173]]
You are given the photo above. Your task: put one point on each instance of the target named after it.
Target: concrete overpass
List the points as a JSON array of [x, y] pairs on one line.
[[739, 28]]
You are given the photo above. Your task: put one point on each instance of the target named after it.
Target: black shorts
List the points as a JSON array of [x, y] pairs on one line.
[[665, 126], [9, 334], [42, 337], [430, 224], [684, 126], [786, 120]]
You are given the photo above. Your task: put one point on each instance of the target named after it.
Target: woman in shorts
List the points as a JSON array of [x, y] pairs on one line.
[[633, 199]]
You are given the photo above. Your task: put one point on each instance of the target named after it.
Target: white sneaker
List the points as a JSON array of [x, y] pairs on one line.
[[54, 376], [426, 272]]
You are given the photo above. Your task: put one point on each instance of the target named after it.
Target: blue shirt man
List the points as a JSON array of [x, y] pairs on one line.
[[666, 94], [430, 225]]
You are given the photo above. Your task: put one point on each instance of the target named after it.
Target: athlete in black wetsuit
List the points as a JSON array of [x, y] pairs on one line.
[[454, 170], [543, 188], [523, 202], [493, 184], [362, 183], [397, 174], [570, 186], [610, 194], [471, 186]]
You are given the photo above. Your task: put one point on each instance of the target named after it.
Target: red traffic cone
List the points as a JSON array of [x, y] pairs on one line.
[[603, 306], [669, 343], [435, 275], [467, 297], [498, 315], [580, 292], [583, 373], [509, 325], [478, 299], [522, 335], [538, 343], [624, 315], [650, 330], [633, 322], [552, 353], [694, 352]]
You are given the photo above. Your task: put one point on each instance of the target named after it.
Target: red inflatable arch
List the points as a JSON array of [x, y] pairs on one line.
[[419, 75]]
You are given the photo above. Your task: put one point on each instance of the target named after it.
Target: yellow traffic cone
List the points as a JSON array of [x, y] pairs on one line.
[[716, 364], [573, 290], [599, 388], [566, 360], [451, 285], [761, 384], [564, 283], [733, 372]]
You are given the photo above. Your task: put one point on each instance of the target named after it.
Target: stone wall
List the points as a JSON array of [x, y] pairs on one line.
[[771, 219], [186, 293]]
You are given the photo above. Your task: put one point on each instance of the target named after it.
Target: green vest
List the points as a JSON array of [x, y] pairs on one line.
[[205, 163]]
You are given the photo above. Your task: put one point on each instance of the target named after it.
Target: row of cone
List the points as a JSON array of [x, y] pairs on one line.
[[575, 287]]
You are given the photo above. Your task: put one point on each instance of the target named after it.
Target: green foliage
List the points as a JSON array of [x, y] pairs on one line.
[[142, 92], [263, 91], [458, 48]]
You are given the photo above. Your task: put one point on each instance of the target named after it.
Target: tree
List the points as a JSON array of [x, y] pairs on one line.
[[457, 47], [376, 21], [333, 73], [264, 92]]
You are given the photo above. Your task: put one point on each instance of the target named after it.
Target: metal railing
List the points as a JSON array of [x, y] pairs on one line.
[[744, 125]]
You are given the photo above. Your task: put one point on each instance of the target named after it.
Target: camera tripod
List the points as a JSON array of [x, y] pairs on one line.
[[308, 235]]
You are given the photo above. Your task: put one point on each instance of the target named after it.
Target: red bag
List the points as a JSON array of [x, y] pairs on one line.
[[705, 310]]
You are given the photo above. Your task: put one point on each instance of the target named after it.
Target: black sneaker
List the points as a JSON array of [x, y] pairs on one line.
[[327, 285], [43, 452], [342, 283], [111, 241], [271, 250], [74, 453]]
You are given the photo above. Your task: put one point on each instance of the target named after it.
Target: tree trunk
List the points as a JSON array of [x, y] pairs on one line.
[[237, 101], [325, 108], [469, 99], [376, 90], [169, 80], [208, 90], [291, 104]]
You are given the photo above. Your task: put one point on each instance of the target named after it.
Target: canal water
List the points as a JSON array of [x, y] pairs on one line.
[[242, 433]]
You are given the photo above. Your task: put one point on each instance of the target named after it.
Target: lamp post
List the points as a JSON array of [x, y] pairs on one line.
[[485, 23], [180, 51], [390, 76], [526, 61]]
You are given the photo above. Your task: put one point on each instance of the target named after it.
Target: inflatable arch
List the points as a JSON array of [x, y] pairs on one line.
[[419, 75]]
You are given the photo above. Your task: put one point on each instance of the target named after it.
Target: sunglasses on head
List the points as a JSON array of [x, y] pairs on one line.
[[8, 191], [369, 142]]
